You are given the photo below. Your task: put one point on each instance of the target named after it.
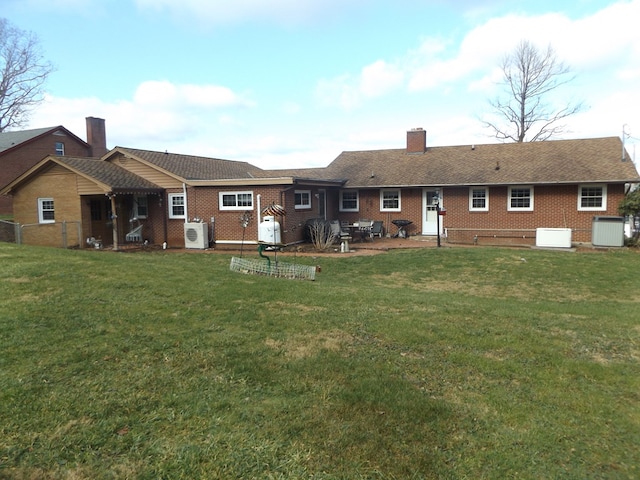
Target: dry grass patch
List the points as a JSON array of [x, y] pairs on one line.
[[305, 346]]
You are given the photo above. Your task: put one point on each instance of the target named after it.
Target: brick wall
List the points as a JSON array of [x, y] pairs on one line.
[[14, 163], [369, 200], [61, 187], [554, 207], [203, 203]]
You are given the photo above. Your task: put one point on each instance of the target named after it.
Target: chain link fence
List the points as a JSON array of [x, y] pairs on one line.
[[9, 231], [58, 234]]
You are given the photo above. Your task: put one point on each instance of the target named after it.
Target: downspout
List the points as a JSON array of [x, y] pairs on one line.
[[186, 210], [284, 205], [259, 212], [164, 207]]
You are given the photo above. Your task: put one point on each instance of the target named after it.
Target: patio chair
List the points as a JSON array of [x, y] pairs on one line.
[[377, 229], [135, 235], [341, 235], [338, 232], [365, 228]]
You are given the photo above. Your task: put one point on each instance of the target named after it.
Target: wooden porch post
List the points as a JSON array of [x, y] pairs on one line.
[[114, 220]]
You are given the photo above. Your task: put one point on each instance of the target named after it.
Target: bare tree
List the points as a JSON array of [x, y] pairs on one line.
[[23, 72], [529, 75]]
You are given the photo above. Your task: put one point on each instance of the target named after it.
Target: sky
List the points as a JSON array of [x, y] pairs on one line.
[[293, 83]]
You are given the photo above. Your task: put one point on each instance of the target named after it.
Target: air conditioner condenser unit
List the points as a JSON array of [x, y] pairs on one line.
[[196, 235]]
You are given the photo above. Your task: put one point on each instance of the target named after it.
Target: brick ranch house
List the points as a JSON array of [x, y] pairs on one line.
[[496, 193], [21, 150]]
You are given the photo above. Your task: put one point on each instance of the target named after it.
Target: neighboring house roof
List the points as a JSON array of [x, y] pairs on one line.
[[551, 162], [110, 177], [10, 140]]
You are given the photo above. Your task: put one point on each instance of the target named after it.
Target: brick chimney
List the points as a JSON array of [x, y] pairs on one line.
[[416, 140], [96, 136]]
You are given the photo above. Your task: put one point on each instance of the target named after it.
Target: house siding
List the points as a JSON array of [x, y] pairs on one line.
[[151, 174]]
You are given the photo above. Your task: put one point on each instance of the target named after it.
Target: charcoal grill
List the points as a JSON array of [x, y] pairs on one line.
[[401, 224]]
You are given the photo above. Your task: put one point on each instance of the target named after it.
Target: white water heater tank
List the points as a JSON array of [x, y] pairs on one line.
[[269, 231]]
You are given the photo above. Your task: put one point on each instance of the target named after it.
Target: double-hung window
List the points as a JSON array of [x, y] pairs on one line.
[[390, 201], [302, 199], [236, 200], [592, 197], [46, 211], [478, 199], [349, 201], [176, 205], [520, 199], [141, 206], [59, 148]]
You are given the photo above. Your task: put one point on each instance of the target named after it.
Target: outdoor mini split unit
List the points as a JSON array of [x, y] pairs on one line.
[[196, 235]]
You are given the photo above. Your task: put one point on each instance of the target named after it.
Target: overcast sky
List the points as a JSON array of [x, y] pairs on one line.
[[292, 83]]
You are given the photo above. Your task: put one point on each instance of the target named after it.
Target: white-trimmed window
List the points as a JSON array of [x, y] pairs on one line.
[[592, 197], [349, 201], [176, 205], [390, 200], [46, 212], [140, 206], [478, 199], [236, 200], [59, 148], [302, 199], [520, 199]]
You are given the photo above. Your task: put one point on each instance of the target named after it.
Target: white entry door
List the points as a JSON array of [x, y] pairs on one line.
[[430, 212]]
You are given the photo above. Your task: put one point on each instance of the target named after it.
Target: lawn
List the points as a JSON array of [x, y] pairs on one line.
[[452, 363]]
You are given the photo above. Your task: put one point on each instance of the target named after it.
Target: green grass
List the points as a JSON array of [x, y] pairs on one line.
[[464, 363]]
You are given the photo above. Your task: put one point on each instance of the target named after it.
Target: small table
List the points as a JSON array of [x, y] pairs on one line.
[[357, 228]]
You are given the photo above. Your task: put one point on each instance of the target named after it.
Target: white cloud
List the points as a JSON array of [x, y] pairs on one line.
[[340, 91], [379, 78], [164, 94], [348, 91], [158, 112]]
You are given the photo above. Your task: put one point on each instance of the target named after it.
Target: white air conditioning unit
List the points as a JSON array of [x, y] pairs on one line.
[[196, 235]]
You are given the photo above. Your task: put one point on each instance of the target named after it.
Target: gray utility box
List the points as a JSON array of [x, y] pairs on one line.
[[607, 232]]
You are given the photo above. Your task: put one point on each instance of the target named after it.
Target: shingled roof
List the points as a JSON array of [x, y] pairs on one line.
[[113, 176], [110, 177], [190, 167], [552, 162], [9, 140]]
